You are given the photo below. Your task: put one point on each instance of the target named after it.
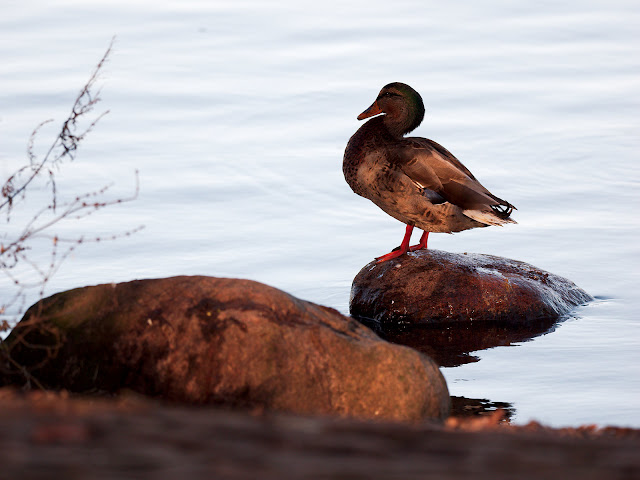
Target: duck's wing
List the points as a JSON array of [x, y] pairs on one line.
[[432, 167], [424, 144]]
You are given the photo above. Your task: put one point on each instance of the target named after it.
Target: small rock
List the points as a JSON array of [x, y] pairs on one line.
[[433, 287], [204, 340]]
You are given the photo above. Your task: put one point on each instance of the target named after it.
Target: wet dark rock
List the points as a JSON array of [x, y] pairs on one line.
[[204, 340], [437, 288]]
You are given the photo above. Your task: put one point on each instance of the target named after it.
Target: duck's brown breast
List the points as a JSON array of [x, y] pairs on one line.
[[363, 156]]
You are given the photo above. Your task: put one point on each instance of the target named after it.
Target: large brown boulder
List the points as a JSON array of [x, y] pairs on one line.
[[433, 287], [204, 340]]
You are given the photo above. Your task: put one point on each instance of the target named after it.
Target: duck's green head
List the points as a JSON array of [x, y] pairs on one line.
[[402, 106]]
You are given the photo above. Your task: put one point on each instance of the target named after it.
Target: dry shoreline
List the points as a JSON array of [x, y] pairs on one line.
[[55, 435]]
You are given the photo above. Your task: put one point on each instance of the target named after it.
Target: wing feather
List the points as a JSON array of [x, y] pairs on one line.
[[431, 166]]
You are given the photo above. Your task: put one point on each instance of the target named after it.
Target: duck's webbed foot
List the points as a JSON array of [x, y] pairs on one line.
[[393, 254], [402, 249]]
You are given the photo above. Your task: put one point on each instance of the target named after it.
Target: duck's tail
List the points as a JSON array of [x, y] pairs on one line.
[[497, 214]]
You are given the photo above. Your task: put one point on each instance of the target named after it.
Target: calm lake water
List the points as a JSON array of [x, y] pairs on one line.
[[236, 115]]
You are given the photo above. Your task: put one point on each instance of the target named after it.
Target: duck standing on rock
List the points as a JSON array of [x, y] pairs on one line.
[[414, 179]]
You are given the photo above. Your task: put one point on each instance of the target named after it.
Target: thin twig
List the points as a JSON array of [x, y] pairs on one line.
[[16, 249]]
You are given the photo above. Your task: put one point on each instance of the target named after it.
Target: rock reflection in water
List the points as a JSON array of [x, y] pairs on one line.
[[473, 407], [450, 345]]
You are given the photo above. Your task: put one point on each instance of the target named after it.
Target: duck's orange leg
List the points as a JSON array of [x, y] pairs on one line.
[[422, 244], [404, 247]]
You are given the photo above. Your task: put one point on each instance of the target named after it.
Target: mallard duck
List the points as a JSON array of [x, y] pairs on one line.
[[414, 179]]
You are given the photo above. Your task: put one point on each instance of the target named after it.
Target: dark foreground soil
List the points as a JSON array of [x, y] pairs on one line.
[[52, 435]]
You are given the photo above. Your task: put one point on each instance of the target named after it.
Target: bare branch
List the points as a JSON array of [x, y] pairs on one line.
[[65, 145], [21, 246]]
